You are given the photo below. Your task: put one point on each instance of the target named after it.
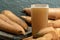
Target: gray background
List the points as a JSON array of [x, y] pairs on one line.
[[16, 6]]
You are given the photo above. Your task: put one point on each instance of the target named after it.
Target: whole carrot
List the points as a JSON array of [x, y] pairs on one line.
[[14, 18]]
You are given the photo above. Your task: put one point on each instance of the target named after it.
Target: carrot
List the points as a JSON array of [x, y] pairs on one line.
[[4, 26], [56, 24], [49, 36], [14, 18], [54, 13], [50, 23], [27, 11], [58, 32], [44, 31], [27, 18]]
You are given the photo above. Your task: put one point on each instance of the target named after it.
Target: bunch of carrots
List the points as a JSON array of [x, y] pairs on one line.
[[9, 22], [53, 20]]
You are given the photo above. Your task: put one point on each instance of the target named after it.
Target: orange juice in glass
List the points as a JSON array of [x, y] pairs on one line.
[[39, 17]]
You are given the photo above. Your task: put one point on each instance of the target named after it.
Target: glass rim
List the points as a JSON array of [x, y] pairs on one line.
[[39, 6]]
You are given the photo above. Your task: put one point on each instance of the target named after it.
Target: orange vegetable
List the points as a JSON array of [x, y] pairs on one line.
[[58, 32], [27, 10], [56, 24], [27, 18], [49, 36]]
